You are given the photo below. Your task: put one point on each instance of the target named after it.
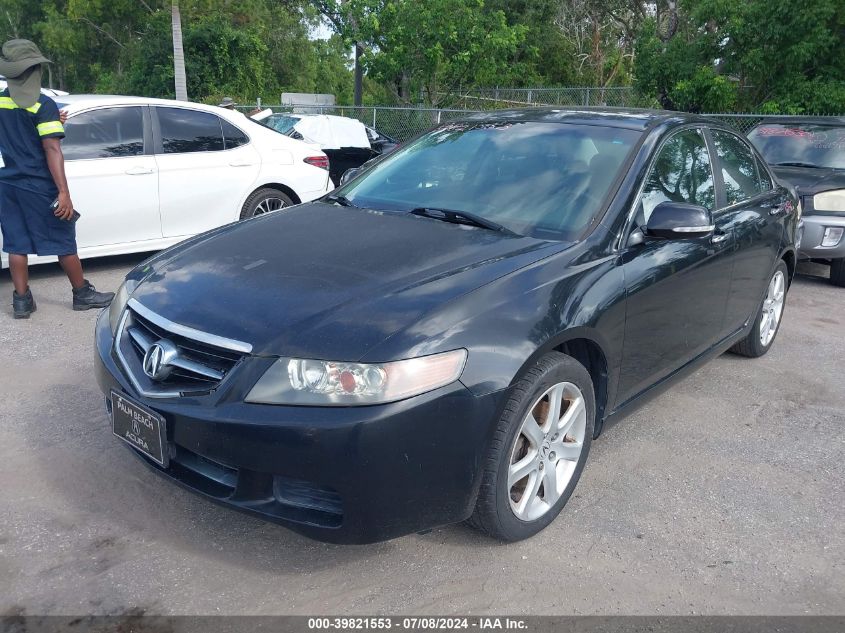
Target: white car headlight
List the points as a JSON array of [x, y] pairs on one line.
[[121, 297], [330, 383]]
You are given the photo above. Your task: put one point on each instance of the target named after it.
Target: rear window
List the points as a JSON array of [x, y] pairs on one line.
[[547, 180], [801, 145]]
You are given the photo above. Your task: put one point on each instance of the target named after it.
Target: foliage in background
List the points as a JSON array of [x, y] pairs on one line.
[[718, 55], [699, 55], [424, 51]]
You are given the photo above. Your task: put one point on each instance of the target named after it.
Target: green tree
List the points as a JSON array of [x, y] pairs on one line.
[[434, 48], [725, 54]]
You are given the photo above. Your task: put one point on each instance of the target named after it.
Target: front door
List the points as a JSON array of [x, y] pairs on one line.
[[113, 182], [754, 209], [676, 289]]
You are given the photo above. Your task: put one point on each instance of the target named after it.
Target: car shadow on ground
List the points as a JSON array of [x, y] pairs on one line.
[[813, 273]]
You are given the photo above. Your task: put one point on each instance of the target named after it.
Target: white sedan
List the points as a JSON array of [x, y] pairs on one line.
[[147, 173]]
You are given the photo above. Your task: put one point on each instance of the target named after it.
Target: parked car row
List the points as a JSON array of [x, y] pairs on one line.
[[442, 337]]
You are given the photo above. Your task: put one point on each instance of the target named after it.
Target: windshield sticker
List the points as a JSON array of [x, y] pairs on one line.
[[783, 131], [829, 139]]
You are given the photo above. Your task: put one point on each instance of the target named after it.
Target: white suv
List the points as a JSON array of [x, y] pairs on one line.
[[147, 173]]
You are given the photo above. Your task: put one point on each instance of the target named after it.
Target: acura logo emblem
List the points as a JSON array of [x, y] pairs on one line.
[[158, 358]]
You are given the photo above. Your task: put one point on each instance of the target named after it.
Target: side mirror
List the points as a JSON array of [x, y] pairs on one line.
[[679, 220], [349, 174]]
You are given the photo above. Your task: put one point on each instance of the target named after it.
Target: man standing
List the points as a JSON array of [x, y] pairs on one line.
[[32, 177]]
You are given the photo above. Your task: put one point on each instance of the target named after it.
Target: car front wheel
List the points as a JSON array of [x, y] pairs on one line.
[[263, 201], [538, 451]]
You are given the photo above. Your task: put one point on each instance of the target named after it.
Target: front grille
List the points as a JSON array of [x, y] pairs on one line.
[[193, 367]]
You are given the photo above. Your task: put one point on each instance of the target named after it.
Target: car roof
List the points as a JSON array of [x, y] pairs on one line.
[[78, 102], [798, 120], [629, 118]]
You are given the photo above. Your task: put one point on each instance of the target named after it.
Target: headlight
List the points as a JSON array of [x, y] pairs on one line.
[[119, 302], [329, 383], [830, 200]]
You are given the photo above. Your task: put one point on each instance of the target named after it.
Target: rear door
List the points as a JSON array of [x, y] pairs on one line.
[[207, 166], [677, 289], [753, 210], [112, 175]]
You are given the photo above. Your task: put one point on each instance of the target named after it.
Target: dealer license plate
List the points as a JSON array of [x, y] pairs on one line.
[[139, 427]]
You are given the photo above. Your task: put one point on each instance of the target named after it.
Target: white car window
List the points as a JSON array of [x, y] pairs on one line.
[[104, 133], [184, 131]]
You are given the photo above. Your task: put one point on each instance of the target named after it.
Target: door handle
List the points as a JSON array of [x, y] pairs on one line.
[[236, 164], [139, 171], [718, 238]]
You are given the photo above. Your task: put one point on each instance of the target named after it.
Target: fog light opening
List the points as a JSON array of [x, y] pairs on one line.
[[832, 235]]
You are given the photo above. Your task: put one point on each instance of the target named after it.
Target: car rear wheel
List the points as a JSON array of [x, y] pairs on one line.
[[263, 201], [538, 450], [767, 323], [837, 272]]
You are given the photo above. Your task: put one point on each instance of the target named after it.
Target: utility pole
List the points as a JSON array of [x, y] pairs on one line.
[[180, 81]]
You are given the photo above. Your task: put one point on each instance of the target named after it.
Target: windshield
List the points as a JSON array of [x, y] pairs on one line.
[[546, 180], [801, 144]]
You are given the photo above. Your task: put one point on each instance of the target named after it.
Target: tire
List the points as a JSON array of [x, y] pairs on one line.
[[754, 345], [263, 201], [837, 272], [497, 510]]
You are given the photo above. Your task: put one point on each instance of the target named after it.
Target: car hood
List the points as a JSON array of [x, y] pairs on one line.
[[811, 180], [324, 281]]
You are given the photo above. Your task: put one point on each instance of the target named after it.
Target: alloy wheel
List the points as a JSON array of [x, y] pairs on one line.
[[268, 204], [546, 451], [772, 308]]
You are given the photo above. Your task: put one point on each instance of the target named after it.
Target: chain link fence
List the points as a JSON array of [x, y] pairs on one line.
[[396, 122], [496, 98], [405, 123]]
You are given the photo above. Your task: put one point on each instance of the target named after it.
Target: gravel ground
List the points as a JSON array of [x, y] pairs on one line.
[[725, 495]]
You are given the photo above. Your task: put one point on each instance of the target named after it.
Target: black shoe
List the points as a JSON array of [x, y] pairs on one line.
[[23, 305], [87, 297]]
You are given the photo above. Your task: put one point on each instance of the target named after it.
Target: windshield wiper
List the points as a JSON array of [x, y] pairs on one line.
[[797, 164], [341, 200], [459, 217]]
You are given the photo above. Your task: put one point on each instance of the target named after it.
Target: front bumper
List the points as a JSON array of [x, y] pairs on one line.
[[811, 240], [344, 475]]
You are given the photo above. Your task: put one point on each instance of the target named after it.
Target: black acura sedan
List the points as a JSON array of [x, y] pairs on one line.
[[443, 336]]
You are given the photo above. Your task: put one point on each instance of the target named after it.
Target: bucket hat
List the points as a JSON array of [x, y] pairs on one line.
[[20, 63]]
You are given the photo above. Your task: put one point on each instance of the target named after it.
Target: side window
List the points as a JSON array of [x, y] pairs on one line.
[[765, 180], [739, 168], [232, 136], [184, 130], [681, 173], [105, 133]]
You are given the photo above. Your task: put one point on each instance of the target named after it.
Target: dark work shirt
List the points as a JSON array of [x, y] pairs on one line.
[[21, 133]]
